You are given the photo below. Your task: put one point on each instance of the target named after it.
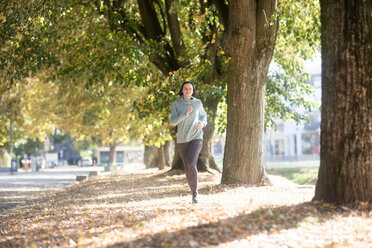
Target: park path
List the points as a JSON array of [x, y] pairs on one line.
[[21, 187], [152, 208]]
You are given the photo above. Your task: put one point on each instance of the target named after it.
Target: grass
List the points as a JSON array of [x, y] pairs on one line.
[[292, 165], [299, 176], [300, 172], [303, 172]]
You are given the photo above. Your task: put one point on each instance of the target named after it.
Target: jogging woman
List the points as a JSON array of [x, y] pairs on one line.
[[190, 118]]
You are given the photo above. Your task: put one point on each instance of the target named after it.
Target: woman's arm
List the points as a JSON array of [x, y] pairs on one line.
[[202, 116], [176, 117]]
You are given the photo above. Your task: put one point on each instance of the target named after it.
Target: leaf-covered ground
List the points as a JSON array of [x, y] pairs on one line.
[[151, 208]]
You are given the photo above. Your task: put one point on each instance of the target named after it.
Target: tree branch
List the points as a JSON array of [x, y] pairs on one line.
[[265, 32], [152, 28], [161, 65], [175, 31], [154, 32], [163, 17]]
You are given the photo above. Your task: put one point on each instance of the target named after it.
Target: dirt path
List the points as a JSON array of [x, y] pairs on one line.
[[151, 208]]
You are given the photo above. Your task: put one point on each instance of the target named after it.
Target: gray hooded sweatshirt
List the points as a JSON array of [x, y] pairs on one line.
[[186, 130]]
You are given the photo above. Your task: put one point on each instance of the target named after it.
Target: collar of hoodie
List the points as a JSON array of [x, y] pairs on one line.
[[184, 100]]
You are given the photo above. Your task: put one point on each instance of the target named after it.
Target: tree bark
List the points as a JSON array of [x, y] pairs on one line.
[[250, 43], [158, 158], [112, 148], [147, 156], [175, 31], [167, 154], [161, 160], [154, 157], [206, 159], [345, 173]]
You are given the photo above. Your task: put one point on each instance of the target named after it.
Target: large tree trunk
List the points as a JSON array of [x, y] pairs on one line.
[[206, 159], [345, 174], [250, 44]]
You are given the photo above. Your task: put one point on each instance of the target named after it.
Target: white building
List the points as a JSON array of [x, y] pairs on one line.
[[294, 142], [123, 154]]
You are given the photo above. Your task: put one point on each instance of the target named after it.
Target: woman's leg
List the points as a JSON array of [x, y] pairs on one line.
[[189, 154], [192, 169], [183, 148]]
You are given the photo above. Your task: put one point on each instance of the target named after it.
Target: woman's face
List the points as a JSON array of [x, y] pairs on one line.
[[187, 90]]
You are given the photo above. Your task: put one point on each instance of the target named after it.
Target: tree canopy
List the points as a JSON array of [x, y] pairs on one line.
[[80, 64]]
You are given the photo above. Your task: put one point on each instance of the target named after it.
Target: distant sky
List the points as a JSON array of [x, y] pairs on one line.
[[314, 66]]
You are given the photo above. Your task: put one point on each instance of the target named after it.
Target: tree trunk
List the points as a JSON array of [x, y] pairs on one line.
[[154, 157], [345, 173], [250, 44], [158, 159], [161, 160], [167, 154], [206, 159], [147, 155], [112, 148]]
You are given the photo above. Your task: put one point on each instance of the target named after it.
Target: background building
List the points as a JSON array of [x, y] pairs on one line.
[[123, 154], [295, 142]]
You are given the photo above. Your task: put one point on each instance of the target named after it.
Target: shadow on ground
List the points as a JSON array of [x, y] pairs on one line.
[[236, 228], [133, 187], [102, 205]]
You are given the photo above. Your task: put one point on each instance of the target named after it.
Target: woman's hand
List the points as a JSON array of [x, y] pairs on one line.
[[199, 126], [188, 111]]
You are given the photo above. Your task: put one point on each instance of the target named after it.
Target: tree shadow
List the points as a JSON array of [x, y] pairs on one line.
[[12, 199], [264, 220], [40, 235], [129, 188], [64, 205], [23, 196], [21, 192], [123, 188]]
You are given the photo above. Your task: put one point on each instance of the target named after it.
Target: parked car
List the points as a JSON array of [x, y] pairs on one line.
[[86, 162]]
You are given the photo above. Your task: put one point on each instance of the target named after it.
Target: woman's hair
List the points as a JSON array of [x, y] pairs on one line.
[[193, 88]]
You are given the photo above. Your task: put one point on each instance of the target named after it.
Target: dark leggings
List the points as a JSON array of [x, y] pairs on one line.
[[189, 153]]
